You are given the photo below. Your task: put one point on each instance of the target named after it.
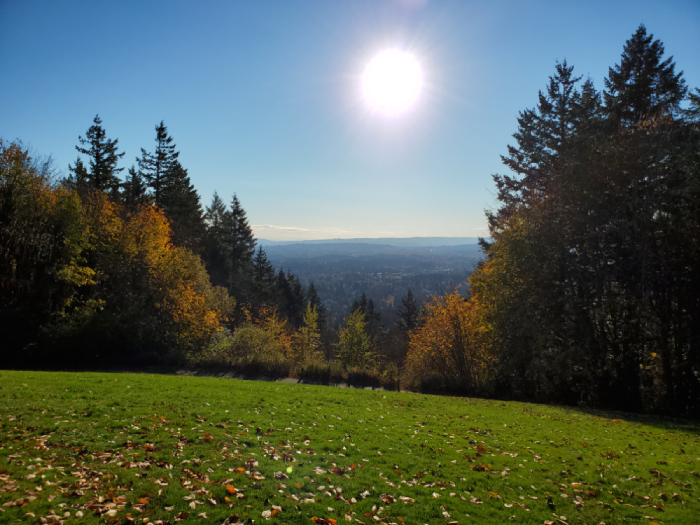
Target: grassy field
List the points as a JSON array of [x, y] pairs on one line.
[[122, 448]]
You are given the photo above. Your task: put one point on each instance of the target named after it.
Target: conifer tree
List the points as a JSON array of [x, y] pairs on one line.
[[79, 176], [180, 203], [408, 314], [371, 314], [134, 190], [103, 155], [241, 249], [216, 247], [265, 279], [543, 134], [154, 167], [643, 85], [315, 301], [240, 234]]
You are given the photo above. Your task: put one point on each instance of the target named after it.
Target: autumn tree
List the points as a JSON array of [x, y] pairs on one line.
[[90, 282], [307, 338], [354, 343], [452, 346], [43, 236]]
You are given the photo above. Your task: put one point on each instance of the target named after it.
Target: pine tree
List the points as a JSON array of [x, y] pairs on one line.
[[134, 190], [216, 247], [292, 298], [241, 249], [408, 315], [642, 85], [79, 176], [693, 112], [315, 301], [543, 134], [103, 156], [240, 234], [180, 203], [372, 316], [154, 167], [265, 280]]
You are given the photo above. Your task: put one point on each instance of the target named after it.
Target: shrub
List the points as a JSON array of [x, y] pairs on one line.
[[452, 347], [323, 373], [362, 377]]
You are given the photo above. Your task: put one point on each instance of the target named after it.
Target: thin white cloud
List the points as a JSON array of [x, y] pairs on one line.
[[276, 232]]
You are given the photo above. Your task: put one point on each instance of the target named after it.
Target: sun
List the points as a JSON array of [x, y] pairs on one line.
[[392, 82]]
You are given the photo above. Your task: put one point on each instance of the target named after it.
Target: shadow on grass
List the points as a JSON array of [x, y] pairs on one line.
[[659, 421]]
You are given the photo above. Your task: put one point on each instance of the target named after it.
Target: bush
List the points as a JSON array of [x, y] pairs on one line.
[[363, 377], [390, 377], [322, 373], [252, 350]]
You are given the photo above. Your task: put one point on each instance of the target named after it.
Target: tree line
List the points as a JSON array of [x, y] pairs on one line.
[[97, 269], [590, 292]]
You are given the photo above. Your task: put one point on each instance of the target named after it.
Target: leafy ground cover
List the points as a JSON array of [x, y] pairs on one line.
[[138, 448]]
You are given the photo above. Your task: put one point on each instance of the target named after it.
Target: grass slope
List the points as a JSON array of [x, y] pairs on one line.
[[120, 448]]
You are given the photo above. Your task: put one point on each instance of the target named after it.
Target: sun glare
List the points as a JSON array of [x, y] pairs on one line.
[[392, 82]]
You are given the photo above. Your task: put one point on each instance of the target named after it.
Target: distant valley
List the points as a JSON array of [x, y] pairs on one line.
[[384, 269]]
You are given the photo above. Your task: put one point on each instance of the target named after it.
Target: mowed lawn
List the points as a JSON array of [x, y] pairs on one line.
[[122, 448]]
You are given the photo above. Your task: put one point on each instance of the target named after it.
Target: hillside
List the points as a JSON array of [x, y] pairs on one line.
[[125, 448]]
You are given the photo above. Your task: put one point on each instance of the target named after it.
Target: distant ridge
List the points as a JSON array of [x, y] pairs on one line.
[[407, 242]]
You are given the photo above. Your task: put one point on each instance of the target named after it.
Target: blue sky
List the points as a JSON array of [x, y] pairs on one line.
[[263, 98]]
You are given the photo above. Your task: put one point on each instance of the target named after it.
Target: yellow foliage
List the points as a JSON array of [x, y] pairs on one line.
[[453, 344]]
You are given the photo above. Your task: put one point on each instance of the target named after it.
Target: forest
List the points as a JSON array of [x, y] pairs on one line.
[[589, 293]]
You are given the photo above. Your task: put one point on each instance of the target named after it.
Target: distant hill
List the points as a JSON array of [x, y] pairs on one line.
[[417, 242]]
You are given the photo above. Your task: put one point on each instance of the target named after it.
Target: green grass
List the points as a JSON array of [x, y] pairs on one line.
[[145, 447]]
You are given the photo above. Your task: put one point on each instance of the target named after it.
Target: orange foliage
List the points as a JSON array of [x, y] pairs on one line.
[[453, 344]]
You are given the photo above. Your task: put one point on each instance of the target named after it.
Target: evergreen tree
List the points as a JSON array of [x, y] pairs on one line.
[[591, 283], [642, 85], [693, 112], [543, 134], [134, 190], [180, 203], [292, 297], [216, 249], [315, 301], [372, 316], [408, 313], [154, 167], [103, 156], [265, 280], [79, 176], [241, 249]]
